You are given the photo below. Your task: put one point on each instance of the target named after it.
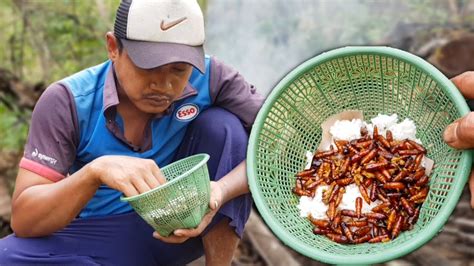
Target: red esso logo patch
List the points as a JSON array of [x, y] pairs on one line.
[[187, 112]]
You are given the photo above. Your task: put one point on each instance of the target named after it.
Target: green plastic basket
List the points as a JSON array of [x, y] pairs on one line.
[[374, 80], [179, 203]]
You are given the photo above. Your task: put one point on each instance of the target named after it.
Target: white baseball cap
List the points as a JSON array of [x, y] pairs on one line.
[[159, 32]]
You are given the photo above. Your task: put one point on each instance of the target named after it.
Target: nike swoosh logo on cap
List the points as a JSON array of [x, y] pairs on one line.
[[168, 25]]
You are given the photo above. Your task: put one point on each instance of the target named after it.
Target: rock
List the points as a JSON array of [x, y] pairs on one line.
[[267, 245], [468, 239], [465, 225], [399, 263], [456, 56], [4, 228], [23, 94], [428, 255], [5, 201]]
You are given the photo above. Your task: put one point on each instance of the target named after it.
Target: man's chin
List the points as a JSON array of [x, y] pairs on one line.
[[155, 110]]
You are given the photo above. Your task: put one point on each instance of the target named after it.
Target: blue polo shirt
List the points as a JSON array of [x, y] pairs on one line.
[[84, 124]]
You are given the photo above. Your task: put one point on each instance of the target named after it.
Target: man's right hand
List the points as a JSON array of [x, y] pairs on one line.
[[130, 175]]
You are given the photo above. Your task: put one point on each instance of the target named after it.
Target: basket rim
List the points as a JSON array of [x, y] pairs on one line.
[[387, 254], [205, 158]]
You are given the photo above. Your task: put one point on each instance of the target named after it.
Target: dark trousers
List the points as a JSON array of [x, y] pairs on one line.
[[126, 239]]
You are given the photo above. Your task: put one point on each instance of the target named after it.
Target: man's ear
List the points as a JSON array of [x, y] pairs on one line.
[[112, 46]]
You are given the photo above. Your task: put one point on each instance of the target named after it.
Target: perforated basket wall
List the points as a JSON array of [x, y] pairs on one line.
[[182, 201], [374, 80]]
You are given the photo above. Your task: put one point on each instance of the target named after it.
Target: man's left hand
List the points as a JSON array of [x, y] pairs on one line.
[[181, 235], [460, 133]]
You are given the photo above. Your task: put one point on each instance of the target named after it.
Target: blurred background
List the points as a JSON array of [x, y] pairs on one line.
[[42, 41]]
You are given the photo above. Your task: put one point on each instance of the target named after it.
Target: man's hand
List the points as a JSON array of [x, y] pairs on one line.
[[181, 235], [460, 134], [130, 175]]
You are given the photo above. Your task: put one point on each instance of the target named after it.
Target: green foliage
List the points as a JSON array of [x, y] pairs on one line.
[[13, 128], [48, 40]]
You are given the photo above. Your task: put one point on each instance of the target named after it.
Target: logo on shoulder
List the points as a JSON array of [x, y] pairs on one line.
[[187, 112], [37, 154]]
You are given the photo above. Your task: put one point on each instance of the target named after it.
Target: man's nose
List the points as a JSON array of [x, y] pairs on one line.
[[160, 85]]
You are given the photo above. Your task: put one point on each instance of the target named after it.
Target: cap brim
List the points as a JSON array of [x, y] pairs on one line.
[[149, 55]]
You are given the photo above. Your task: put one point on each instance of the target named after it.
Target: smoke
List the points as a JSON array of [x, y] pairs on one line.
[[266, 39]]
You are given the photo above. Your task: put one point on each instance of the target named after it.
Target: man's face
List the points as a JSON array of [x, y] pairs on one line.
[[149, 90]]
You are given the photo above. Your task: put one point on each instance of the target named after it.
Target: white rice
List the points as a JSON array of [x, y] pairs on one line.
[[317, 208], [346, 130], [350, 130]]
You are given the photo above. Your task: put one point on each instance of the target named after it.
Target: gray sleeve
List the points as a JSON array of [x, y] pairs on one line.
[[229, 90], [53, 135]]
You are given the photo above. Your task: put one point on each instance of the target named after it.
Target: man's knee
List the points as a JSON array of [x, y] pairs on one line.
[[217, 123]]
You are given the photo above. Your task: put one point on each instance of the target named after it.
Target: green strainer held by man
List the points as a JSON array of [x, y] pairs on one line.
[[179, 203]]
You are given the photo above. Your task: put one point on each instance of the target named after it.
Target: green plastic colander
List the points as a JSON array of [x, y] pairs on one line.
[[374, 80], [179, 203]]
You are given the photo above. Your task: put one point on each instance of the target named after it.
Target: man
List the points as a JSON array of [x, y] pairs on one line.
[[107, 130]]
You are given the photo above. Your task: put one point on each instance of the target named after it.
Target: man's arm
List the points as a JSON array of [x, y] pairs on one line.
[[41, 207], [234, 183], [229, 90]]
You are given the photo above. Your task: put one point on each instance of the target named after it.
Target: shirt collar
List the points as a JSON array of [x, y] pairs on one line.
[[111, 99], [110, 90]]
